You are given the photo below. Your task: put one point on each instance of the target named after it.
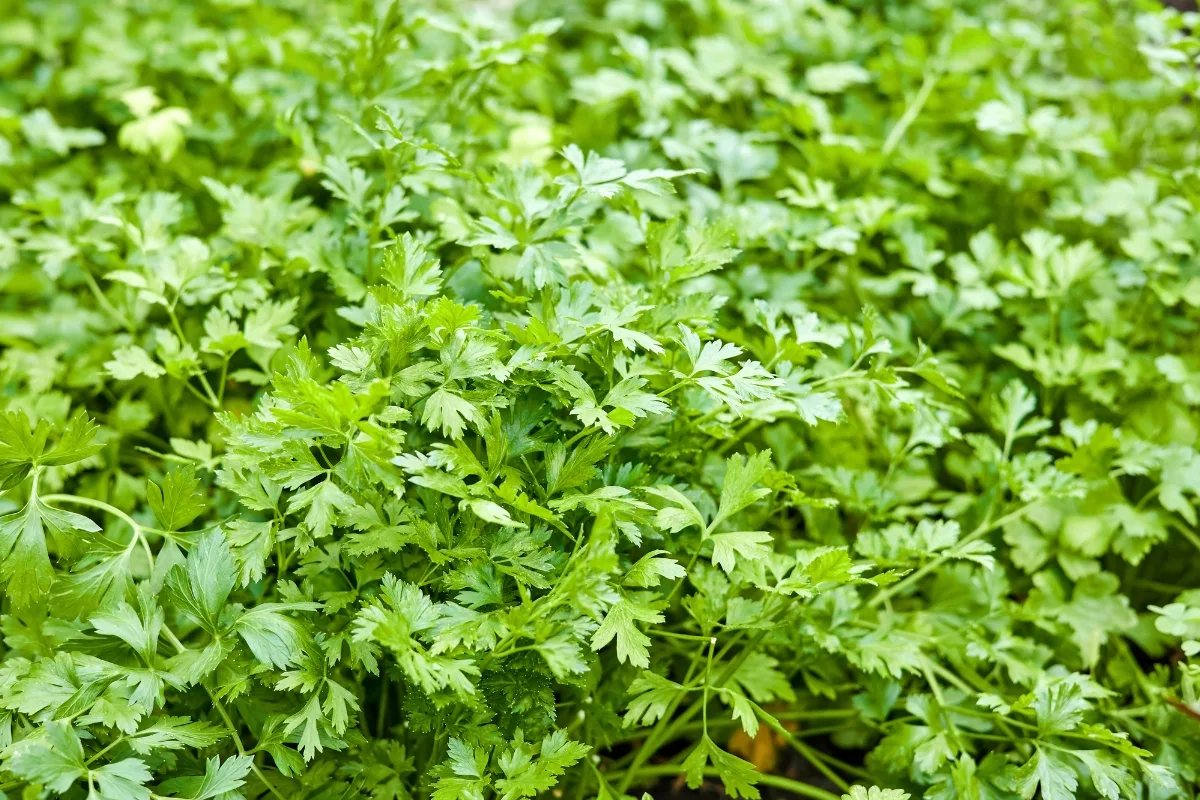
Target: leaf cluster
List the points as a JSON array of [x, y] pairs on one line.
[[469, 401]]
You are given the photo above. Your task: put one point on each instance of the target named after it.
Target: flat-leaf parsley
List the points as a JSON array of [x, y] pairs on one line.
[[480, 401]]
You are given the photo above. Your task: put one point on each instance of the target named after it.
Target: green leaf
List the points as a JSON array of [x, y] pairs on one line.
[[464, 777], [175, 733], [139, 630], [26, 569], [729, 548], [409, 268], [738, 490], [76, 443], [737, 776], [201, 586], [53, 759], [273, 637], [621, 623], [651, 696], [1049, 770], [178, 501], [651, 568], [525, 776], [1112, 779], [323, 500], [1060, 707], [874, 793], [23, 447], [130, 362], [123, 780], [449, 412], [220, 778], [270, 324], [680, 516], [401, 621]]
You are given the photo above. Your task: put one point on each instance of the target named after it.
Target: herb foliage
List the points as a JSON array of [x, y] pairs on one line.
[[463, 401]]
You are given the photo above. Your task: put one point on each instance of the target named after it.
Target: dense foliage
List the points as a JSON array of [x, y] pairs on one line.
[[456, 401]]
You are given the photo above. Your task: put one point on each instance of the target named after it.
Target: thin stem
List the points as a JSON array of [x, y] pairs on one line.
[[732, 441], [100, 505], [983, 529], [683, 579], [829, 715], [661, 731], [987, 737], [992, 716], [579, 436], [233, 731], [381, 717], [224, 378], [1159, 586], [187, 384], [787, 784], [950, 677], [679, 385], [146, 548], [941, 702], [600, 779], [850, 373], [1187, 534], [103, 300], [237, 740], [664, 731], [208, 390], [912, 112], [712, 644], [849, 769], [688, 637], [810, 755], [106, 748]]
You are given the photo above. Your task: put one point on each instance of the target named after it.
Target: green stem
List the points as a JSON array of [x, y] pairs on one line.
[[104, 303], [824, 714], [950, 677], [786, 784], [810, 755], [187, 384], [687, 637], [381, 717], [99, 505], [983, 529], [746, 430], [679, 385], [224, 378], [911, 112], [106, 748], [687, 571], [993, 717], [578, 436], [712, 644], [663, 732], [850, 373], [1187, 534], [987, 737], [941, 703], [208, 390], [233, 731], [237, 741]]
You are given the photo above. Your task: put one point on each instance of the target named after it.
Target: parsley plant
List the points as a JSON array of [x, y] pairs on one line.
[[451, 400]]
